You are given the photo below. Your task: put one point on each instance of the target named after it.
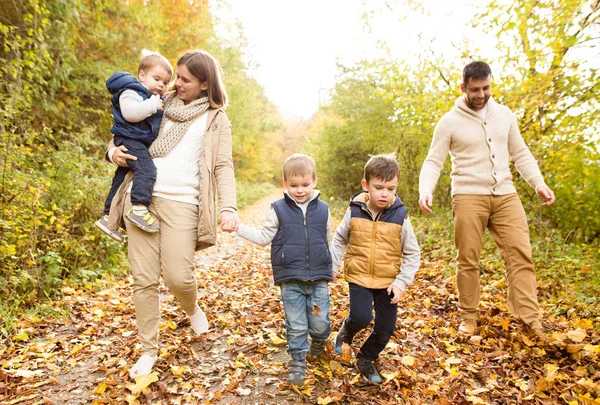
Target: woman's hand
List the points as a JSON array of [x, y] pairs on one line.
[[229, 221], [120, 158]]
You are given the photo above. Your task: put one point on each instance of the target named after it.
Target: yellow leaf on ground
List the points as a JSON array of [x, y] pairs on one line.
[[171, 324], [20, 336], [346, 352], [577, 335], [142, 382], [100, 388], [324, 401], [390, 376], [409, 361], [276, 340], [505, 323]]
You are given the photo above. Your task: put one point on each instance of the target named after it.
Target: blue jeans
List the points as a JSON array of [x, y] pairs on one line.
[[306, 306]]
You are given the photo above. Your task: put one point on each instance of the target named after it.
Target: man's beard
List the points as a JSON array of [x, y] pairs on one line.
[[472, 105]]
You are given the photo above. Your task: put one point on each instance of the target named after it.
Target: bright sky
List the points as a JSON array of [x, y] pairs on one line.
[[296, 44]]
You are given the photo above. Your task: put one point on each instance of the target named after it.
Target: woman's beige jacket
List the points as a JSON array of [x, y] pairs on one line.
[[216, 178]]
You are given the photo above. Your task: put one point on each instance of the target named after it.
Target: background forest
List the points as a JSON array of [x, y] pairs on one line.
[[54, 124]]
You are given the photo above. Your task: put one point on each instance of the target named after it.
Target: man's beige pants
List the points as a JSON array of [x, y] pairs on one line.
[[505, 218], [172, 248]]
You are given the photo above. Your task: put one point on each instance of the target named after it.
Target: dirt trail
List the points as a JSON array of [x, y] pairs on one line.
[[242, 360]]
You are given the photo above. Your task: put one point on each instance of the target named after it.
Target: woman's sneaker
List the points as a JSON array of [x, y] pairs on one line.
[[143, 220], [341, 338], [102, 224], [368, 370]]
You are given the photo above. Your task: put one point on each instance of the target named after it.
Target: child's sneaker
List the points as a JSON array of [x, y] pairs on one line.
[[368, 370], [341, 338], [102, 224], [143, 220], [316, 348], [296, 372]]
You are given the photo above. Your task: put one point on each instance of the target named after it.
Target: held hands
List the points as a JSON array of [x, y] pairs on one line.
[[229, 221], [425, 202], [396, 294], [547, 195]]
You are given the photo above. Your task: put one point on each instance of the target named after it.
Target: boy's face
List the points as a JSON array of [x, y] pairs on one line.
[[300, 187], [157, 79], [381, 193]]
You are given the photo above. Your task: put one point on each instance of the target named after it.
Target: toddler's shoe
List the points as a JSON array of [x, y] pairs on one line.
[[296, 372], [102, 224], [368, 370], [143, 220]]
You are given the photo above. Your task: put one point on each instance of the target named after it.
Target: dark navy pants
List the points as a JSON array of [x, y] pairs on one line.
[[362, 302], [144, 173]]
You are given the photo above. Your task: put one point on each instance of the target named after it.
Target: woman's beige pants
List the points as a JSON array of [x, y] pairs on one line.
[[171, 249]]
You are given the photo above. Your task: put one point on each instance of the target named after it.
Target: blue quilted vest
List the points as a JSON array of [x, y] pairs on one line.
[[144, 131], [300, 249]]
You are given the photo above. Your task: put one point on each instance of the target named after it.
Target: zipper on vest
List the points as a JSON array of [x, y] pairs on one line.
[[307, 248]]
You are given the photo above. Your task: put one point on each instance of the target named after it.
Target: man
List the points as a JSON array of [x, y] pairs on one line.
[[481, 136]]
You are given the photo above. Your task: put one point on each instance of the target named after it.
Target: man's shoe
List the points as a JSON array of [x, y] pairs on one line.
[[341, 338], [316, 348], [468, 327], [296, 372], [143, 220], [536, 330], [102, 224], [368, 370]]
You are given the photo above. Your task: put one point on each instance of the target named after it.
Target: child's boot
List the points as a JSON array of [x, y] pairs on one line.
[[316, 348], [368, 370], [341, 338], [296, 372], [141, 217], [102, 224]]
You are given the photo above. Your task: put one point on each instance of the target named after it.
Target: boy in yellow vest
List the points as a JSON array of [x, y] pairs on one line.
[[381, 256]]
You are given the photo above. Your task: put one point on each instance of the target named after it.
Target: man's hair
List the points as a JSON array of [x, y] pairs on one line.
[[206, 68], [477, 70], [151, 59], [383, 167], [299, 164]]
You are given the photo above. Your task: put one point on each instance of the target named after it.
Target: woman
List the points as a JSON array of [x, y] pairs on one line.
[[192, 154]]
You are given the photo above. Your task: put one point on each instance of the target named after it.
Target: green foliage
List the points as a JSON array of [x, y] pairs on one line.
[[247, 193], [379, 107], [55, 120]]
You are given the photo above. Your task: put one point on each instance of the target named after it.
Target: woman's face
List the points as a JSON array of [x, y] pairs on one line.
[[188, 86]]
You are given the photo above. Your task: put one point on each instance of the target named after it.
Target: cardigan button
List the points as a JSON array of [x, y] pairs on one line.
[[490, 139]]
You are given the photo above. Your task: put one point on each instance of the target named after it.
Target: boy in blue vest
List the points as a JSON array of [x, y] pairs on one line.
[[298, 228], [137, 114], [380, 254]]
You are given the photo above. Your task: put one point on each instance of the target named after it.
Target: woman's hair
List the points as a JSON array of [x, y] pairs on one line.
[[206, 68], [151, 59]]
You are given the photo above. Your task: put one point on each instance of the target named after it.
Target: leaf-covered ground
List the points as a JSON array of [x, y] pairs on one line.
[[85, 358]]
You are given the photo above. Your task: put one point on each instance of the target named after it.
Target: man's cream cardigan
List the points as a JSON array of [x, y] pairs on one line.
[[479, 150]]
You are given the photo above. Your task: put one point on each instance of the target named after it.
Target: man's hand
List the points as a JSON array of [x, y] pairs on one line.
[[120, 158], [547, 195], [229, 221], [396, 294], [425, 202]]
